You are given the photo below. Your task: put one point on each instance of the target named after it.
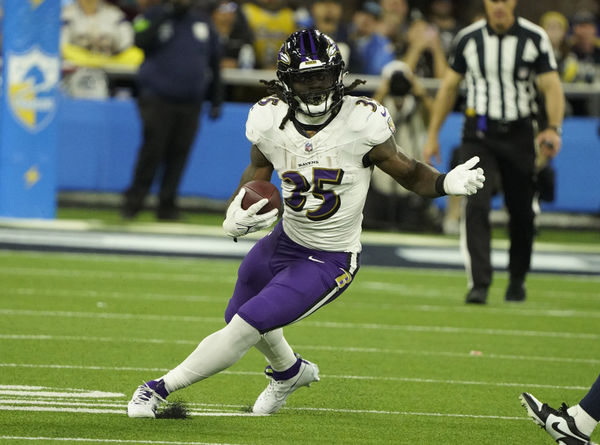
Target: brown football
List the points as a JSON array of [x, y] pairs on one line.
[[259, 189]]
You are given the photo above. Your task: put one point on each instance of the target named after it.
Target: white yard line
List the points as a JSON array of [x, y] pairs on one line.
[[471, 355], [218, 410], [330, 376], [122, 411], [89, 439], [309, 324], [88, 293], [120, 275], [399, 290]]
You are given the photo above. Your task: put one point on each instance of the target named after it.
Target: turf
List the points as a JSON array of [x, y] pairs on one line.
[[402, 359]]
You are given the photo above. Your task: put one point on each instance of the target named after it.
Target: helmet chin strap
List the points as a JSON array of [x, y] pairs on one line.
[[312, 120], [303, 117]]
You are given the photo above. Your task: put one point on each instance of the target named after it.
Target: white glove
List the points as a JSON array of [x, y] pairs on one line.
[[464, 179], [239, 222]]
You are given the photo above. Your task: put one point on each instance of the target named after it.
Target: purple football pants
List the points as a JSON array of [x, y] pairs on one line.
[[280, 282]]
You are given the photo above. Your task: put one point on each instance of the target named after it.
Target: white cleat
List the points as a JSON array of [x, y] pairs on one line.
[[145, 402], [273, 397], [557, 422]]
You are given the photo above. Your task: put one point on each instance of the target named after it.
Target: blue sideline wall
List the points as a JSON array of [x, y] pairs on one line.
[[99, 141]]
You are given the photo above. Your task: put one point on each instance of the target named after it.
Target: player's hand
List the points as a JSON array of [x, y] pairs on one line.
[[464, 179], [240, 222]]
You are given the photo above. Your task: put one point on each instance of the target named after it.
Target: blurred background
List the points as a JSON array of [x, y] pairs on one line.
[[96, 130]]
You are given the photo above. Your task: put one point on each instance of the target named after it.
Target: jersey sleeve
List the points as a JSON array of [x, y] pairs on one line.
[[371, 122], [260, 121]]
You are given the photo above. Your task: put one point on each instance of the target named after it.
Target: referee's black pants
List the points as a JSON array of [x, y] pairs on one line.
[[169, 129], [507, 153]]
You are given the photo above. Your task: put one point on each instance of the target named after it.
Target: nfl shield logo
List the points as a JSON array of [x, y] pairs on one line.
[[308, 147], [32, 80]]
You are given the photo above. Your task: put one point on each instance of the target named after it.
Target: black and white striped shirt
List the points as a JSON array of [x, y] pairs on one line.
[[500, 70]]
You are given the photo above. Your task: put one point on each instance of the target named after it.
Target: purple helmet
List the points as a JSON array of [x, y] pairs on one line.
[[311, 69]]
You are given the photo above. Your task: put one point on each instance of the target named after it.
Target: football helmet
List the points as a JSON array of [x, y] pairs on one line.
[[310, 67]]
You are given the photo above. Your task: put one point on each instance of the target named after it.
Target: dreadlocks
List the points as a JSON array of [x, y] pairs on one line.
[[276, 88]]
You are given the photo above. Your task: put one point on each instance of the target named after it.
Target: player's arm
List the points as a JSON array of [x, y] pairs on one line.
[[422, 178], [239, 222], [259, 168], [410, 173]]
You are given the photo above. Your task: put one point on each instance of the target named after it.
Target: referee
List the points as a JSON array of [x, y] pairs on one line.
[[505, 61]]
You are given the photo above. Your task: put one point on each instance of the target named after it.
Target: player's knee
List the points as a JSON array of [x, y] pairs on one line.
[[241, 332]]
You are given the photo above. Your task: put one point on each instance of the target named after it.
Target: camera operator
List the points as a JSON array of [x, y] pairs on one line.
[[404, 96]]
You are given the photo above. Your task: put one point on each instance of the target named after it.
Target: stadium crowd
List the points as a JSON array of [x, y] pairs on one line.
[[371, 33]]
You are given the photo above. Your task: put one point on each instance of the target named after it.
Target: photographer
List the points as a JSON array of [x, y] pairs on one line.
[[410, 106]]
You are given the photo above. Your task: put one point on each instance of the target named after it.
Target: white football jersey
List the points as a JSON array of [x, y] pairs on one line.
[[323, 179], [107, 31]]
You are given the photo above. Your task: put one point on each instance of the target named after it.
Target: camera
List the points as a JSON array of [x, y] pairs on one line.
[[400, 85]]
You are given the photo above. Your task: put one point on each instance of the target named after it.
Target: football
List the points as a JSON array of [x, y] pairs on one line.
[[259, 189]]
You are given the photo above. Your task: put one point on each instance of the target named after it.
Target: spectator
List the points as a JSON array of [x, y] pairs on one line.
[[440, 14], [327, 17], [394, 22], [499, 129], [389, 205], [370, 51], [96, 26], [181, 49], [556, 26], [424, 52], [271, 21], [584, 66], [235, 35]]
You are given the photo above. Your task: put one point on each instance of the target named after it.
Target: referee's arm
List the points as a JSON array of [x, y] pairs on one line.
[[443, 104], [549, 139]]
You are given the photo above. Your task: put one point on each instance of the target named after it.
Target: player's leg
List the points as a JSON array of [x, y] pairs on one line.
[[220, 349], [572, 425], [305, 281], [590, 405], [215, 353], [276, 350]]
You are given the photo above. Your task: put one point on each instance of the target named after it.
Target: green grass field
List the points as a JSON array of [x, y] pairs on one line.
[[402, 359]]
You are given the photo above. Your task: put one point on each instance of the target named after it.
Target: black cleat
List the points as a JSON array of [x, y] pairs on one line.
[[557, 423], [515, 292], [477, 295]]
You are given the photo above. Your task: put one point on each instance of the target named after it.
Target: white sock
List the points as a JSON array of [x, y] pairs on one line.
[[276, 350], [585, 423], [216, 352]]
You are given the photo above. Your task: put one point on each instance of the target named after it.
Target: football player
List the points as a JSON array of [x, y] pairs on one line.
[[567, 426], [323, 144]]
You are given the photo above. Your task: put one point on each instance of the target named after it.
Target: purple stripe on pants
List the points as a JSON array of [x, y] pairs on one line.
[[278, 283]]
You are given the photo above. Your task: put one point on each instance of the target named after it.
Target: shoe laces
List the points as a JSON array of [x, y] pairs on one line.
[[146, 394], [563, 409]]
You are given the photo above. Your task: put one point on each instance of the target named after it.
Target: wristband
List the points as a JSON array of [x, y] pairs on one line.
[[439, 185], [556, 128]]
